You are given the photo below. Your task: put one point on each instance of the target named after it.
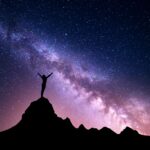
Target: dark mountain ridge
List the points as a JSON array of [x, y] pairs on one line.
[[41, 126]]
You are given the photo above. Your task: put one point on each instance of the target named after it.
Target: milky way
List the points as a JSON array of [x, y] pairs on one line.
[[98, 53], [93, 98]]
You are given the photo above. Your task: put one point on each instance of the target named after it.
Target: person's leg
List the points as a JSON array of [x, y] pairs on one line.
[[43, 89]]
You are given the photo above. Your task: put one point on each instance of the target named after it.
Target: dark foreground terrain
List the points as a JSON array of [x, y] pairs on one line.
[[40, 127]]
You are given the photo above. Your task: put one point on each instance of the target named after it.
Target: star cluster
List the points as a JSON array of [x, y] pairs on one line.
[[98, 51]]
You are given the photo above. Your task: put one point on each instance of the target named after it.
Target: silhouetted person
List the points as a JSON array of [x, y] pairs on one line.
[[44, 78]]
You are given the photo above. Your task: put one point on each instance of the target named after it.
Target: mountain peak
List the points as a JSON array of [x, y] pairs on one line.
[[39, 113], [81, 127], [40, 106], [128, 131]]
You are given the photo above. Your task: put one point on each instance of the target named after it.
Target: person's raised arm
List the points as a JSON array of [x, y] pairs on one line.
[[39, 74], [49, 75]]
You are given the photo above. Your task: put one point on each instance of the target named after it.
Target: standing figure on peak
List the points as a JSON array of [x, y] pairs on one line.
[[44, 79]]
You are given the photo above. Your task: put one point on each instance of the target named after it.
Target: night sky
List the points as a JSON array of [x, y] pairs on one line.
[[98, 51]]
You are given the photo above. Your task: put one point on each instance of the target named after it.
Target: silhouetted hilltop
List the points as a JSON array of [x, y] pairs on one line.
[[41, 126], [39, 114], [129, 132]]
